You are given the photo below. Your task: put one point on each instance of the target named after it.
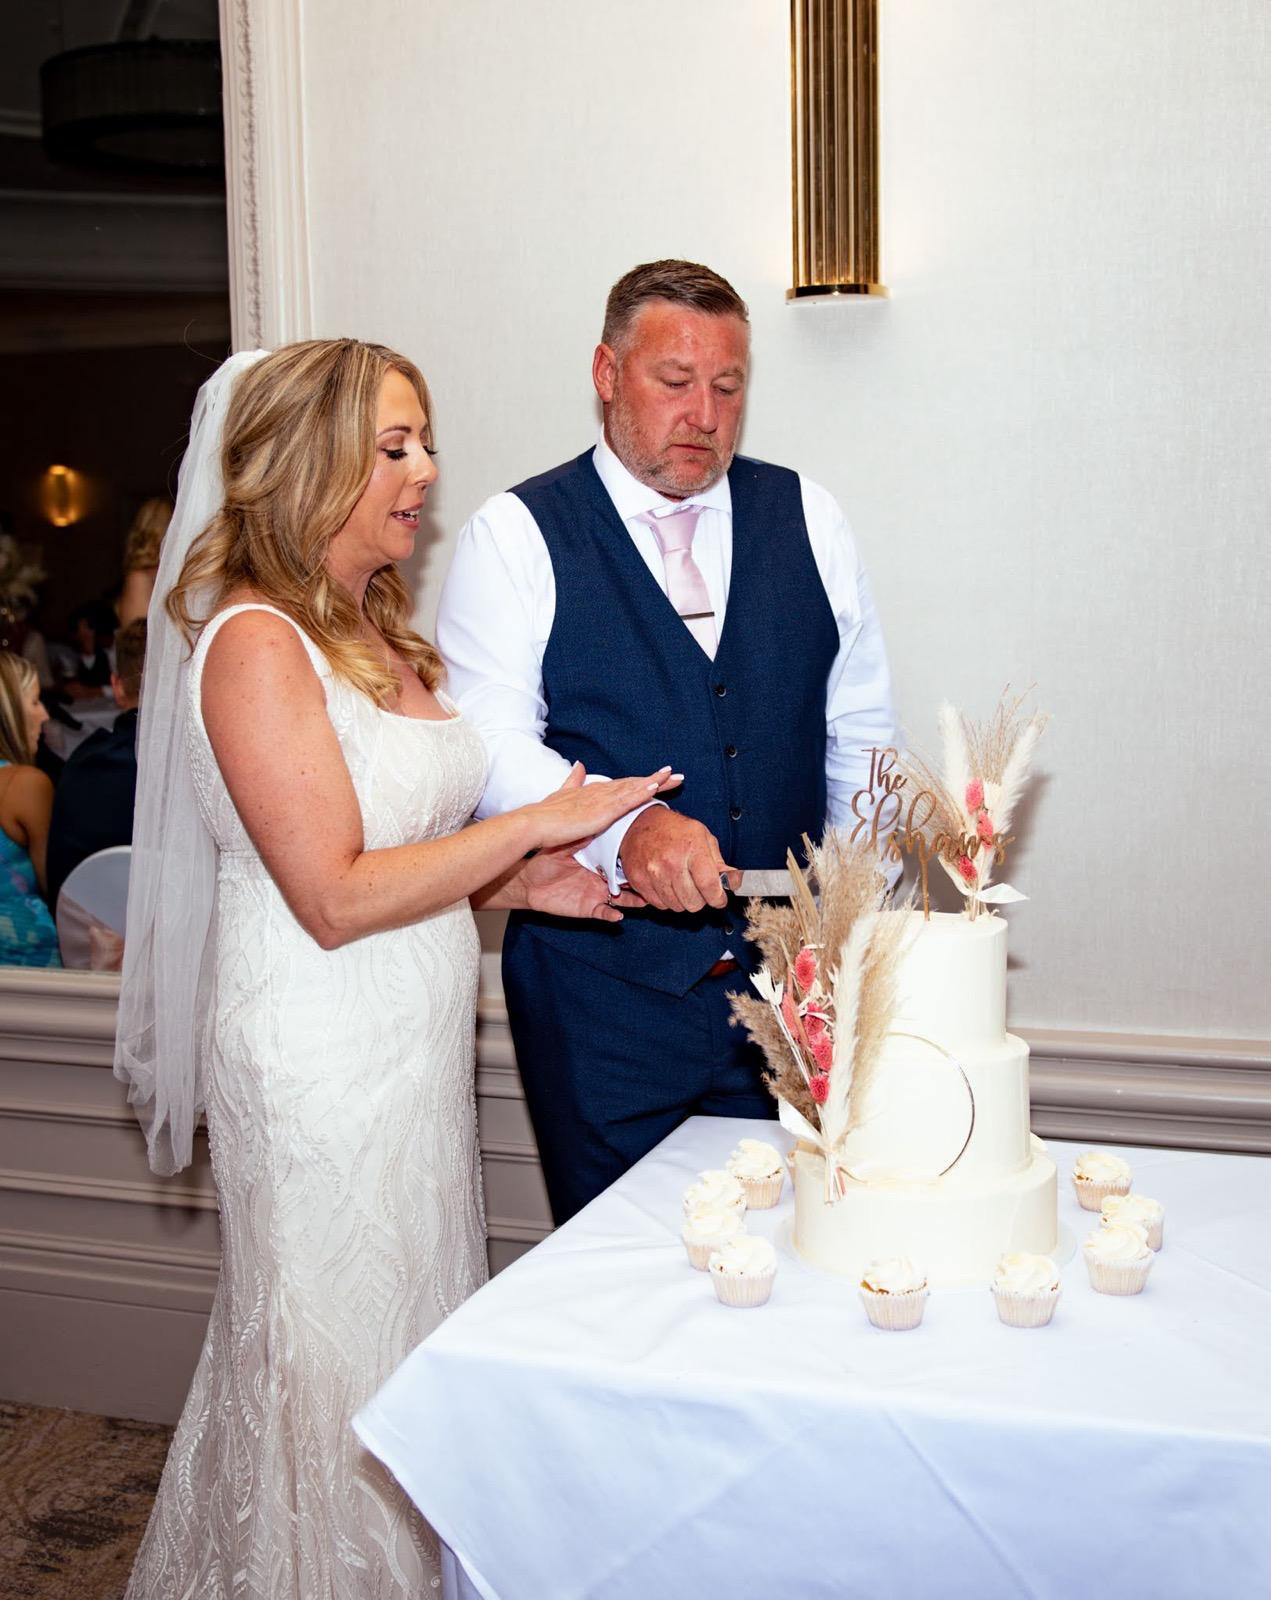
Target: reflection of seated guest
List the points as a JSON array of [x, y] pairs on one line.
[[27, 935], [91, 636], [141, 558], [93, 806]]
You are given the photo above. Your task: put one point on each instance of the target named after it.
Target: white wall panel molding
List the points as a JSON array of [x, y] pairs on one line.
[[1213, 1095], [266, 187], [66, 1017]]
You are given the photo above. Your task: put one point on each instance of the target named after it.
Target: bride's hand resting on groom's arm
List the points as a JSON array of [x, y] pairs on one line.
[[552, 880]]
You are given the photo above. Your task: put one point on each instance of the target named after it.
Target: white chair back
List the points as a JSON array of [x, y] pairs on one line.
[[92, 911]]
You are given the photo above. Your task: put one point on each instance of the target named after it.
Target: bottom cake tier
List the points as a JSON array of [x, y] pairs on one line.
[[953, 1232]]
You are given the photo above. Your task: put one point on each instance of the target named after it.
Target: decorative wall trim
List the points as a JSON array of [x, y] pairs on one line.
[[266, 191]]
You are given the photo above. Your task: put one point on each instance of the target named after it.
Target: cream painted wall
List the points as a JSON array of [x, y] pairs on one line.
[[1052, 440]]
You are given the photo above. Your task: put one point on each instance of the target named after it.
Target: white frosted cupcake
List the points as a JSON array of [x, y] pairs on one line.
[[743, 1270], [758, 1168], [1026, 1289], [706, 1228], [1118, 1258], [1097, 1174], [894, 1293], [717, 1190], [1149, 1214]]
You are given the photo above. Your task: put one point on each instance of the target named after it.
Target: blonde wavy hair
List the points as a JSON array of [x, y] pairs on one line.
[[298, 452], [145, 537], [17, 675]]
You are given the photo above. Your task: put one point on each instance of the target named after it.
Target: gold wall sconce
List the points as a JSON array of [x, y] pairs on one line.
[[834, 127], [63, 496]]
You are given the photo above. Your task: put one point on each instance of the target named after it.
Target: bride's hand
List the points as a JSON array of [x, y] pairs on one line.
[[580, 810], [555, 883]]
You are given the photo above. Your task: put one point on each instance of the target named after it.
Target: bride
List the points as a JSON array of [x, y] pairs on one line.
[[301, 960]]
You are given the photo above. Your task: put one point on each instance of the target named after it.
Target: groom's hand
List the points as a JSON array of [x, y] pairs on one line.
[[673, 862]]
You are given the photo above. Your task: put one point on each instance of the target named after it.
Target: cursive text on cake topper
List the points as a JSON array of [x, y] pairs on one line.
[[895, 822]]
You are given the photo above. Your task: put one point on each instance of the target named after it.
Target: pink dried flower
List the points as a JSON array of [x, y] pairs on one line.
[[822, 1048], [791, 1016], [967, 868], [984, 827], [819, 1085], [974, 795], [805, 969]]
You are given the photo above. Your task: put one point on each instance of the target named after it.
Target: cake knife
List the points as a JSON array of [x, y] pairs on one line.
[[761, 883]]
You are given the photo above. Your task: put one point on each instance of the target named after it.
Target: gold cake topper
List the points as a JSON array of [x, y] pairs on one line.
[[894, 832], [959, 816]]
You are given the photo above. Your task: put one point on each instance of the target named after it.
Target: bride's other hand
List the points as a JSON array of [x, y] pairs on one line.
[[555, 883], [579, 810]]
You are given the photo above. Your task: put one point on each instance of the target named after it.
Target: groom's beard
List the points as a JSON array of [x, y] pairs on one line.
[[674, 473]]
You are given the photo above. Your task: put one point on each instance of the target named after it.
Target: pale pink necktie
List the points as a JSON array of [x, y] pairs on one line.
[[685, 586]]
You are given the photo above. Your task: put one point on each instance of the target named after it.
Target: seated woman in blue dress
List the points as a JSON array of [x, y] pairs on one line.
[[27, 935]]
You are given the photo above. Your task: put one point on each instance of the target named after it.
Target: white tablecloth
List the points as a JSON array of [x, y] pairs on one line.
[[99, 712], [594, 1424]]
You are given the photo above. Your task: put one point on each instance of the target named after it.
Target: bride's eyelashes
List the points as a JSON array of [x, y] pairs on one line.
[[400, 455]]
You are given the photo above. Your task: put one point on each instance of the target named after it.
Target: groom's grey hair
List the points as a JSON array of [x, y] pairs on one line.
[[683, 283]]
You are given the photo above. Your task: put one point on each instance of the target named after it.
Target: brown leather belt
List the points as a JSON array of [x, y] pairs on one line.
[[722, 968]]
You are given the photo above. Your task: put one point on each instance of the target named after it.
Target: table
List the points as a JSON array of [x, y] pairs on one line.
[[98, 712], [594, 1424]]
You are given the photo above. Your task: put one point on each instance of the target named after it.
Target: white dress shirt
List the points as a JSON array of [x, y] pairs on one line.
[[499, 603]]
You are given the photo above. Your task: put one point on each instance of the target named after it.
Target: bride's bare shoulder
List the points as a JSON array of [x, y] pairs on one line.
[[254, 644]]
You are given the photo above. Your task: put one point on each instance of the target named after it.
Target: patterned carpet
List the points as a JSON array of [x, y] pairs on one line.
[[75, 1493]]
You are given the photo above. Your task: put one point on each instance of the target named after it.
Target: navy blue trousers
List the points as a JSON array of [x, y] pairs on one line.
[[610, 1068]]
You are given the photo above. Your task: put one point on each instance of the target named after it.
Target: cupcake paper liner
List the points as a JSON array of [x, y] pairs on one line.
[[1118, 1277], [1026, 1308], [897, 1312], [699, 1254], [763, 1193], [732, 1289], [1091, 1193]]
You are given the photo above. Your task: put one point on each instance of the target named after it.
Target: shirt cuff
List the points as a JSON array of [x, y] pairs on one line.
[[602, 853]]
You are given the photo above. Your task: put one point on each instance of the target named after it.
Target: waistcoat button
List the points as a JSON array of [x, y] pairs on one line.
[[730, 750], [734, 812], [721, 690]]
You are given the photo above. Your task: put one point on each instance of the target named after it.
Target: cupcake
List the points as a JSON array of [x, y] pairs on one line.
[[1118, 1258], [894, 1293], [742, 1270], [716, 1189], [1026, 1289], [757, 1167], [706, 1228], [1149, 1214], [1097, 1174]]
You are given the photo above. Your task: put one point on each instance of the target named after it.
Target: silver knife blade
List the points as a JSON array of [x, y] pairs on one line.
[[763, 883]]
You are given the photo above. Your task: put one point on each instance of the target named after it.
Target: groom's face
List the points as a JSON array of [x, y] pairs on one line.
[[673, 391]]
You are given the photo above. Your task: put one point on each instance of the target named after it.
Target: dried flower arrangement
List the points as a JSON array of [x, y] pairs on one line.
[[972, 800], [828, 988]]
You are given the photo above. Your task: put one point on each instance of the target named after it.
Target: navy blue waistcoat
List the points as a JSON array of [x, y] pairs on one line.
[[629, 688]]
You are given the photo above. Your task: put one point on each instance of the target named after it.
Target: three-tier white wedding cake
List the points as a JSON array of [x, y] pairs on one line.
[[942, 1167]]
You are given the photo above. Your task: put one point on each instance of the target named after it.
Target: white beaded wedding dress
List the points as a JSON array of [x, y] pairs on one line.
[[342, 1121]]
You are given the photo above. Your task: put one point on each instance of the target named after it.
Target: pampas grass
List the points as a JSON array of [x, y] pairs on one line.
[[858, 950]]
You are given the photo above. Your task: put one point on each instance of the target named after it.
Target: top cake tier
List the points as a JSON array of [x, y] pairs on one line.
[[952, 980]]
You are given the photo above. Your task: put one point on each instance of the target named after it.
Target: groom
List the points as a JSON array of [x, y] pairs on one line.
[[659, 599]]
